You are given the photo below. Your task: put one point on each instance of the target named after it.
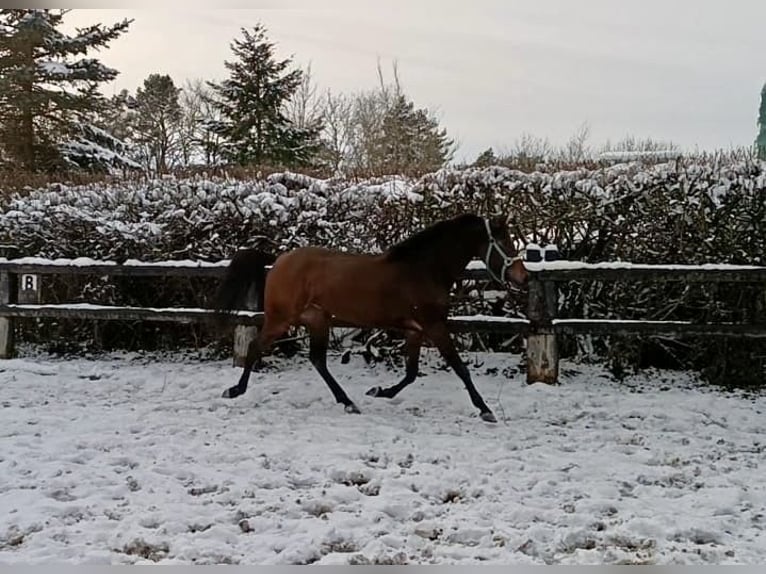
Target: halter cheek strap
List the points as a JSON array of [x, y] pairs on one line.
[[493, 245]]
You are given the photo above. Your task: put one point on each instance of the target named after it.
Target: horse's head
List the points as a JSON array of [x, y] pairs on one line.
[[503, 262]]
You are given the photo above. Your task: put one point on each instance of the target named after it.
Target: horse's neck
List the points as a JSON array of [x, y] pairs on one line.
[[451, 264]]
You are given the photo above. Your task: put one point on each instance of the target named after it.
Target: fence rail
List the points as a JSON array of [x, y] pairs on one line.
[[541, 327], [561, 271]]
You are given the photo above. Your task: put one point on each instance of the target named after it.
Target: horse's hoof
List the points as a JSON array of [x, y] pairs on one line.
[[230, 393], [374, 392], [353, 409], [488, 417]]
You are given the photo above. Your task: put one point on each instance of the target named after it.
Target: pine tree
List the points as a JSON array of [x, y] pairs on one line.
[[252, 102], [49, 90], [412, 141], [390, 135], [158, 114], [760, 141], [116, 115], [486, 158]]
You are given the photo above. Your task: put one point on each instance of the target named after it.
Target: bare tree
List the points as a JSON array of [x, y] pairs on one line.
[[529, 149], [304, 109], [202, 142], [645, 150], [576, 149], [337, 115], [191, 103], [631, 143]]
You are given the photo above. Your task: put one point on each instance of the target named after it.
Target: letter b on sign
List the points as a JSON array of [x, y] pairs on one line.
[[29, 282]]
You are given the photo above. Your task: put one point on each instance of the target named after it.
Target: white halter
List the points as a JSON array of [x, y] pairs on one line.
[[493, 245]]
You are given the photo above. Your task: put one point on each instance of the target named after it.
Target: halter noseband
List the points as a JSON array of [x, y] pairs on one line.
[[493, 245]]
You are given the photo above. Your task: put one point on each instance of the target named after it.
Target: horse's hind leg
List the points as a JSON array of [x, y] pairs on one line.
[[318, 325], [412, 344], [255, 350]]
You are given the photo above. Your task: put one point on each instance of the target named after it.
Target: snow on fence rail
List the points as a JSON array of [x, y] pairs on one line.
[[20, 289]]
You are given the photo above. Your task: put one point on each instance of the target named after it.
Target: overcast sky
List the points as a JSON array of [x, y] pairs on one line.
[[686, 70]]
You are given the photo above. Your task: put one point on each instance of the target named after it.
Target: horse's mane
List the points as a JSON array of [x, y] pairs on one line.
[[420, 245]]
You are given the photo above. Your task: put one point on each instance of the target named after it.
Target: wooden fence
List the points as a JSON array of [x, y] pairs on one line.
[[20, 288]]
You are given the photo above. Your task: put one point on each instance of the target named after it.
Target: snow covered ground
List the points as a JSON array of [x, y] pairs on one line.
[[131, 460]]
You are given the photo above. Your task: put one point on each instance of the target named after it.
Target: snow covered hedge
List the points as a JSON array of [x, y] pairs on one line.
[[671, 213], [685, 211]]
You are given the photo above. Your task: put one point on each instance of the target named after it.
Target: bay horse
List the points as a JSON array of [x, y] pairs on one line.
[[405, 288]]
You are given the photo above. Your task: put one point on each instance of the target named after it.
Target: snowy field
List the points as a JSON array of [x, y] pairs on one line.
[[129, 460]]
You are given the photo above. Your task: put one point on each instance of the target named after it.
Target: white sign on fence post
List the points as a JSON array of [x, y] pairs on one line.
[[29, 289]]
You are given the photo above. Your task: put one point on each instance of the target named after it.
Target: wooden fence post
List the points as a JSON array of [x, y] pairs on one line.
[[245, 334], [542, 349], [7, 295]]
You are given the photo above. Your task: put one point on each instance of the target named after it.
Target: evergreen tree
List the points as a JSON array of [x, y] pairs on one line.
[[390, 135], [760, 141], [157, 119], [49, 90], [117, 117], [394, 137], [412, 141], [92, 147], [252, 102], [486, 158]]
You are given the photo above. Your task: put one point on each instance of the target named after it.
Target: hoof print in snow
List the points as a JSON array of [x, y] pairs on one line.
[[451, 496], [398, 559], [113, 514], [370, 489], [194, 528], [428, 531], [12, 540], [146, 550], [318, 508], [468, 536], [132, 483], [244, 526], [578, 540], [414, 411], [199, 491], [61, 495], [528, 547], [407, 462], [340, 545], [351, 478]]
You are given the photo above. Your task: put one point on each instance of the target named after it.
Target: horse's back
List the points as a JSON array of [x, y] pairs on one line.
[[316, 264], [338, 282], [302, 258]]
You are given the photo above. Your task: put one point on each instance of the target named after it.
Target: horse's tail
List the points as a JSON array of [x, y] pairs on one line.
[[246, 271]]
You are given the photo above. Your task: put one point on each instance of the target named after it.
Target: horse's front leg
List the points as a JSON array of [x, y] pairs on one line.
[[439, 335], [413, 343]]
